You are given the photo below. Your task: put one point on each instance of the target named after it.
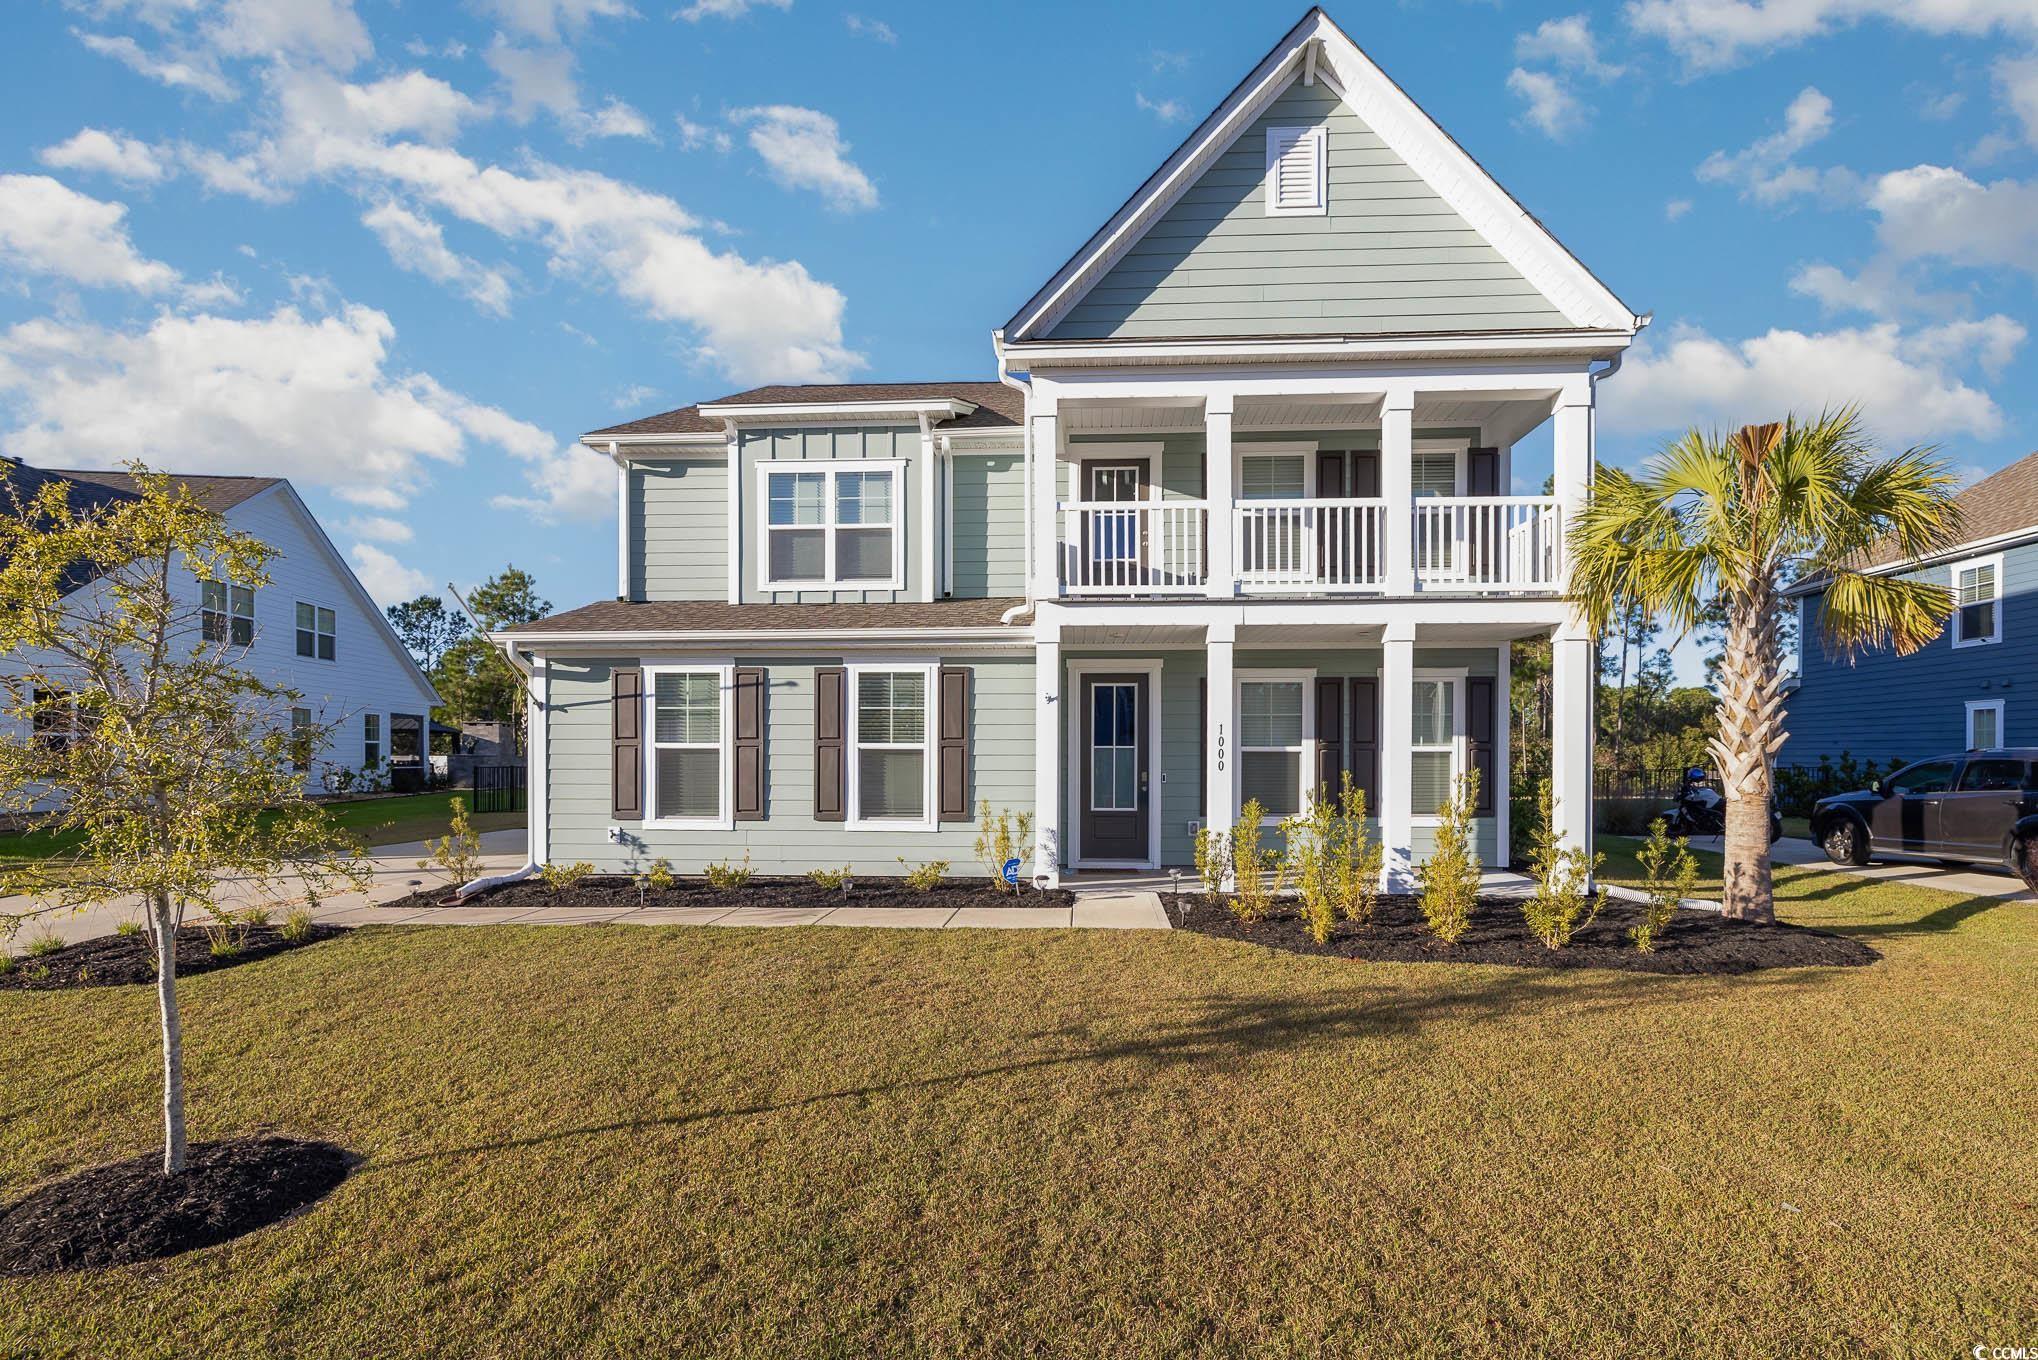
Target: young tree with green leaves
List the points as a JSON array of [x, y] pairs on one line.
[[427, 628], [1733, 521], [475, 679], [137, 736]]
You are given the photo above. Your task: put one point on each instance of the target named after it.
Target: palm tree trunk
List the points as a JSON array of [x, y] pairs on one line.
[[1751, 731], [173, 1034]]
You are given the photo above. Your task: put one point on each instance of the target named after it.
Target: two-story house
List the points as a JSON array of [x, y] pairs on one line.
[[1959, 693], [1236, 517], [313, 628]]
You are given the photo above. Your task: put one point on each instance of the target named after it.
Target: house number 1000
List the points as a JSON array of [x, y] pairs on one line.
[[1220, 746]]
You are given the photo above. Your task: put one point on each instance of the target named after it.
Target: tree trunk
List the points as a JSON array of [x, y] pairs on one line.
[[1751, 723], [173, 1034]]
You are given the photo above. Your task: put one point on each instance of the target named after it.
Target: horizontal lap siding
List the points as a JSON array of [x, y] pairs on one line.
[[679, 530], [1882, 706], [1389, 256], [789, 840], [989, 551]]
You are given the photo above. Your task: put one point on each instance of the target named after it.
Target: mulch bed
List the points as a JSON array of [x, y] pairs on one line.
[[1694, 942], [617, 891], [130, 1211], [124, 961]]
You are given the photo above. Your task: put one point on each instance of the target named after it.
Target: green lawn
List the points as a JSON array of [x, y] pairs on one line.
[[618, 1141], [377, 821]]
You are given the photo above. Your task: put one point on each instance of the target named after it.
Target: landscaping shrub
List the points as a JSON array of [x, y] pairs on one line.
[[1559, 907], [1797, 787], [458, 854], [1356, 858], [1623, 816], [128, 930], [255, 917], [999, 839], [1449, 878], [297, 923], [925, 878], [561, 877], [725, 875], [1252, 896], [1306, 861], [1672, 876], [832, 880], [45, 944], [1213, 859], [6, 962], [660, 877]]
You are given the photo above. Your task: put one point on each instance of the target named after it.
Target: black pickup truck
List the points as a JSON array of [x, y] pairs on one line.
[[1978, 807]]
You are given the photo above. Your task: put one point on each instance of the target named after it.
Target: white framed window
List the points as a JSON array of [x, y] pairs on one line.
[[227, 613], [832, 524], [1436, 742], [371, 740], [1984, 724], [891, 747], [690, 766], [1276, 723], [1297, 171], [1978, 601], [1436, 468], [317, 629]]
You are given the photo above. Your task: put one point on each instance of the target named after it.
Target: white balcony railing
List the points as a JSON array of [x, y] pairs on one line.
[[1308, 546], [1134, 547], [1488, 543]]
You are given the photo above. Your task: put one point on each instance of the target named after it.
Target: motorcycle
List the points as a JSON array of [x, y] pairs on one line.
[[1701, 810]]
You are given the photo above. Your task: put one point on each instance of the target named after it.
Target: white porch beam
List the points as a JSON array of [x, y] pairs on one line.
[[1397, 730], [1220, 808], [1572, 433], [1218, 493], [1397, 458], [1044, 418], [1369, 384], [1048, 714], [622, 521]]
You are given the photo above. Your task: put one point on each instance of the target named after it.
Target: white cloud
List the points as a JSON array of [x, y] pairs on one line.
[[412, 103], [1551, 107], [541, 79], [108, 153], [1676, 209], [450, 50], [179, 72], [387, 579], [1939, 107], [726, 9], [2017, 79], [567, 483], [803, 149], [548, 19], [419, 244], [324, 31], [1568, 43], [1710, 34], [1930, 211], [1767, 170], [1167, 110], [47, 228], [1883, 289], [380, 528], [634, 396], [872, 28], [242, 175], [693, 136], [613, 119], [1909, 385]]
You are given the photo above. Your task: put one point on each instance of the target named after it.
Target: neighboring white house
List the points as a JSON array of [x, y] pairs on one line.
[[1238, 516], [313, 629]]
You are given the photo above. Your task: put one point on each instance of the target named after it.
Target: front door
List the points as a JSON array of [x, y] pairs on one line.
[[1114, 751]]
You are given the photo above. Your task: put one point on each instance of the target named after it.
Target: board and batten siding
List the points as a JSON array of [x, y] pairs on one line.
[[1883, 707], [679, 529], [829, 444], [989, 522], [1390, 255], [788, 840]]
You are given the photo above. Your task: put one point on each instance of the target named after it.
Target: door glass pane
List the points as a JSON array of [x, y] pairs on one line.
[[1114, 748], [689, 783], [890, 783], [1114, 484]]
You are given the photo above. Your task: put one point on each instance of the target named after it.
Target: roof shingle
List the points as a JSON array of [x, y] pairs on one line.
[[2002, 503], [998, 406], [719, 616]]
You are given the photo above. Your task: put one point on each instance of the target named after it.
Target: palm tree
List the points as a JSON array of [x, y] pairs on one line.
[[1738, 519]]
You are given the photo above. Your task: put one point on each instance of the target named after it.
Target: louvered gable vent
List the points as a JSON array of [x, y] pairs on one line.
[[1295, 171]]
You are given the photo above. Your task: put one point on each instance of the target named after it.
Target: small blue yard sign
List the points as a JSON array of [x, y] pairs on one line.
[[1012, 872]]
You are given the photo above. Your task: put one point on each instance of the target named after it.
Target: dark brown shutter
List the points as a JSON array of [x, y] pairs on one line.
[[1330, 738], [749, 742], [1330, 476], [1479, 716], [1202, 747], [626, 744], [954, 745], [1365, 483], [1482, 472], [831, 743], [1366, 739]]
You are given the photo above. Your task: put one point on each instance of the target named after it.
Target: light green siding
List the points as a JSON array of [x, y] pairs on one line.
[[989, 522], [910, 509], [679, 530], [577, 756], [1389, 256]]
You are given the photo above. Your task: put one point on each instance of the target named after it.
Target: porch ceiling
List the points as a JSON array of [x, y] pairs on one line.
[[1131, 638]]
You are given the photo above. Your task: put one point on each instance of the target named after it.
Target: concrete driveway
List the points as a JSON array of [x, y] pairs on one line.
[[1978, 881]]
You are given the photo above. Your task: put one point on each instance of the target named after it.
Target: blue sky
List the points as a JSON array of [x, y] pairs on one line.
[[404, 253]]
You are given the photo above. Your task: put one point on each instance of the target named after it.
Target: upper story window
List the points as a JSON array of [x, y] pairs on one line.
[[1433, 471], [316, 627], [1297, 172], [832, 524], [1977, 592], [226, 613]]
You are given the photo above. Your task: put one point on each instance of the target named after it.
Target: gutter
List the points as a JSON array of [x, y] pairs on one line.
[[1025, 389]]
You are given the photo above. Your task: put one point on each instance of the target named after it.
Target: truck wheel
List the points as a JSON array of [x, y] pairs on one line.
[[1846, 843], [2024, 859]]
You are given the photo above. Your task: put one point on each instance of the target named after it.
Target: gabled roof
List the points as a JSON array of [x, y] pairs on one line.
[[1996, 512], [713, 617], [214, 493], [1316, 48], [997, 405]]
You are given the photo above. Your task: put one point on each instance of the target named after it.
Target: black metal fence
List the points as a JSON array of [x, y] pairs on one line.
[[500, 788]]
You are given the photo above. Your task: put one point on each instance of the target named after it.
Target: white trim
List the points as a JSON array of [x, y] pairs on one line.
[[1975, 706], [930, 760], [725, 673], [785, 639], [733, 444], [682, 445], [1115, 455], [1287, 448], [1305, 772], [622, 522], [925, 523], [865, 412], [1459, 743], [829, 468], [1994, 561], [1503, 750], [1459, 448], [1069, 796], [537, 733], [1280, 142]]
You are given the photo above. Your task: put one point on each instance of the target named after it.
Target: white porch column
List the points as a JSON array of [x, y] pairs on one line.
[[1218, 493], [1573, 666], [1048, 715], [1397, 459], [1220, 742], [1572, 429], [1044, 414], [1397, 730], [1503, 743]]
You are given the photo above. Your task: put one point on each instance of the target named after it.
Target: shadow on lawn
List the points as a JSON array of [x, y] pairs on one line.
[[1226, 1030]]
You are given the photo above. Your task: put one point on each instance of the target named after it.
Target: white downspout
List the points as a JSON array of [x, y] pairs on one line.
[[1026, 470], [530, 864]]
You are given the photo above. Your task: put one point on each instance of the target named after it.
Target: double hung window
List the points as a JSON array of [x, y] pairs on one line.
[[832, 524]]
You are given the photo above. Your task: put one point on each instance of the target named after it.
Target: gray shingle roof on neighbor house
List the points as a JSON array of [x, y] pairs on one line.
[[2001, 503], [998, 406], [214, 493], [717, 616]]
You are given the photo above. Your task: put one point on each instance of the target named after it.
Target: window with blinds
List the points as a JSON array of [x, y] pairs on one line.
[[1296, 172], [1978, 593], [1433, 472], [686, 740], [1433, 743], [1270, 745], [891, 746]]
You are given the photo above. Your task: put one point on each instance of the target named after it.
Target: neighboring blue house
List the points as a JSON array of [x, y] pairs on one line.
[[1975, 687]]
